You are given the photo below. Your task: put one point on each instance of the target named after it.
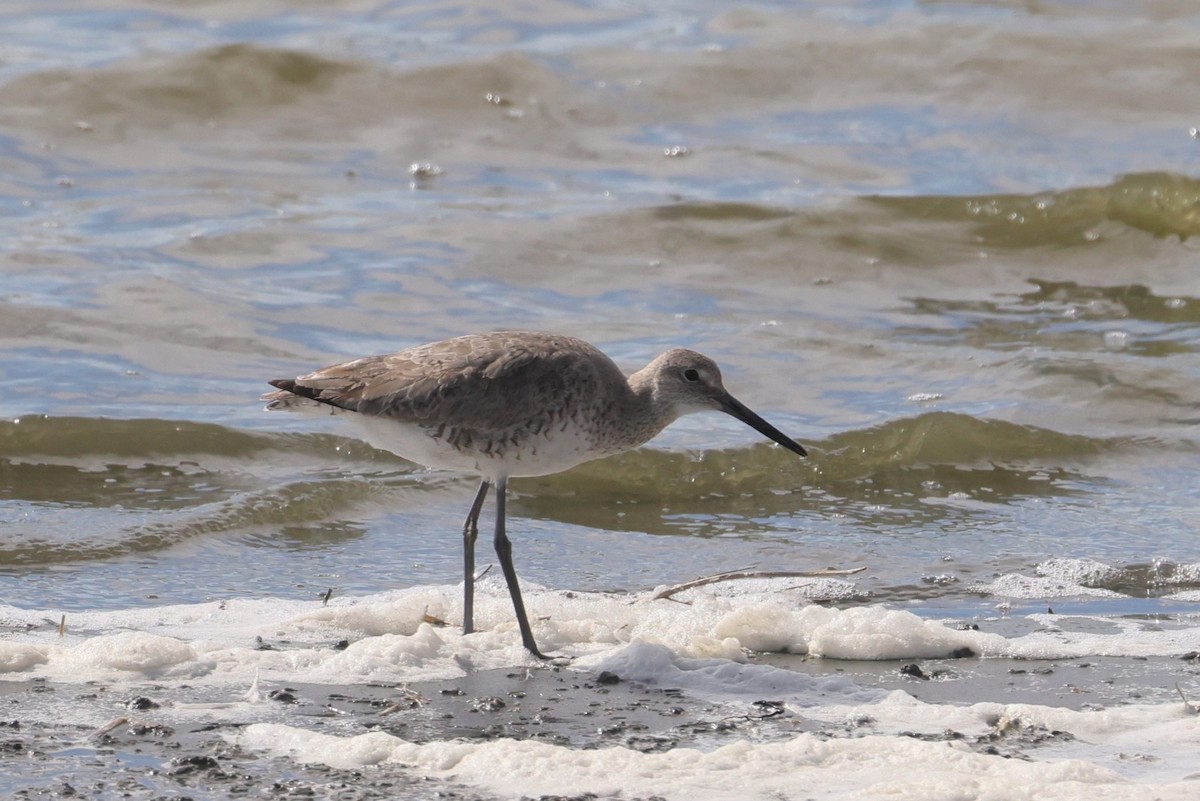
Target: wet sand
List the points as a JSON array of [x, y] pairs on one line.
[[146, 753]]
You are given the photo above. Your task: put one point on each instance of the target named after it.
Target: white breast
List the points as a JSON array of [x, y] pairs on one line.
[[538, 455]]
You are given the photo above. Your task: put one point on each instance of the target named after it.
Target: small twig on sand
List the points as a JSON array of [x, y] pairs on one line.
[[431, 619], [1188, 708], [409, 699], [116, 723], [753, 574]]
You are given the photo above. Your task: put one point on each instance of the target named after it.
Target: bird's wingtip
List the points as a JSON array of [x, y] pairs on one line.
[[276, 400], [284, 396], [289, 394]]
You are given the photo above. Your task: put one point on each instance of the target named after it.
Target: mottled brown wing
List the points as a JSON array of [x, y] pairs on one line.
[[483, 382]]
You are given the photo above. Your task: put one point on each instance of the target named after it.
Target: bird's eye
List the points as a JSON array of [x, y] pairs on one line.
[[691, 374]]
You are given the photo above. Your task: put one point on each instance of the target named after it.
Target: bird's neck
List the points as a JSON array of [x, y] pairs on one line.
[[641, 413]]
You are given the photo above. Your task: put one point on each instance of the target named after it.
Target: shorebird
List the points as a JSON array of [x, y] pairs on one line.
[[511, 404]]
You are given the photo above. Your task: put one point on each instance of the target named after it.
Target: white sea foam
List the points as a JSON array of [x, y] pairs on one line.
[[1082, 572], [395, 636], [1084, 578], [695, 642], [1015, 585], [392, 640], [870, 766]]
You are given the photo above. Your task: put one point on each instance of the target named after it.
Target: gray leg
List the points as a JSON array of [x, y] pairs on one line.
[[504, 551], [470, 532]]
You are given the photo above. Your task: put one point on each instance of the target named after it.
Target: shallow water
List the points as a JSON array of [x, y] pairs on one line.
[[947, 246]]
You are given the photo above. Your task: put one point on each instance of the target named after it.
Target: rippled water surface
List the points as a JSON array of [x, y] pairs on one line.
[[948, 246]]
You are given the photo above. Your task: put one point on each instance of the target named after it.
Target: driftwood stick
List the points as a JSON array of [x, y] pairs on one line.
[[1188, 708], [753, 574]]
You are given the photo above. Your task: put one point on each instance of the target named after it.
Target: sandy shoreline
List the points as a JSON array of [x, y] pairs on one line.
[[150, 750]]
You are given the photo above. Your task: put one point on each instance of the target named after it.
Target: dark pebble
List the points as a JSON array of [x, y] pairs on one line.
[[489, 704], [191, 764], [141, 703]]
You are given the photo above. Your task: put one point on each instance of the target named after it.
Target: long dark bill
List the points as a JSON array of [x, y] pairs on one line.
[[735, 408]]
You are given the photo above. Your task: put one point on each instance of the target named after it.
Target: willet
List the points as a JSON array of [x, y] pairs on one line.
[[512, 404]]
